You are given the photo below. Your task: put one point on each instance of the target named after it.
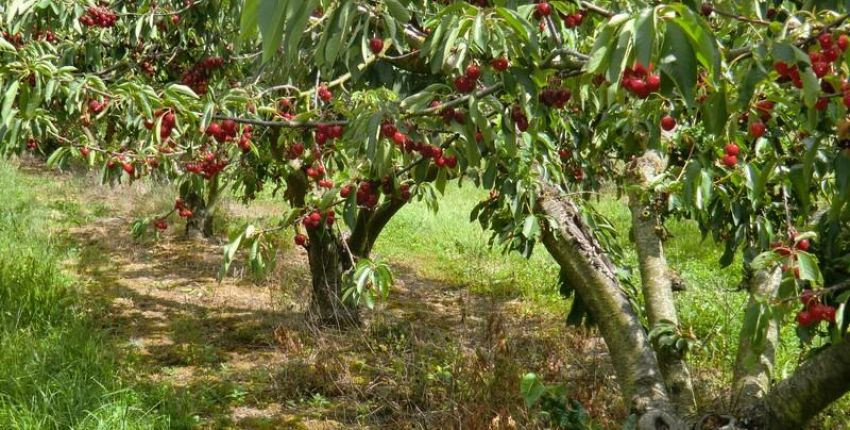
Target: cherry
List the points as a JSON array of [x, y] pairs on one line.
[[296, 150], [565, 154], [544, 9], [822, 104], [324, 93], [668, 123], [175, 19], [757, 129], [399, 138], [843, 42], [706, 9], [161, 224], [805, 318], [473, 72], [731, 149], [129, 168], [228, 127], [730, 160], [376, 45], [500, 64], [653, 83], [388, 130], [808, 298], [464, 85], [345, 191], [300, 239], [213, 129], [803, 245], [825, 40], [85, 151]]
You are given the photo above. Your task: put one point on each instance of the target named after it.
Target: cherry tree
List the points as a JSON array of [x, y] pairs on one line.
[[728, 114]]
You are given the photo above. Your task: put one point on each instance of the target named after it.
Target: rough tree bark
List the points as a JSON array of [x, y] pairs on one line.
[[754, 368], [655, 280], [201, 223], [791, 403], [595, 281]]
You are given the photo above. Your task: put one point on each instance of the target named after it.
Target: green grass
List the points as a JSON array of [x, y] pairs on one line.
[[57, 370], [448, 248]]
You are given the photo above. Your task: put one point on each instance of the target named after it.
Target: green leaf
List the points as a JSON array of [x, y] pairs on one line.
[[297, 16], [398, 11], [271, 15], [601, 51], [247, 23], [811, 87], [678, 62], [530, 227], [531, 388], [644, 36], [8, 100], [480, 36], [715, 112], [809, 270]]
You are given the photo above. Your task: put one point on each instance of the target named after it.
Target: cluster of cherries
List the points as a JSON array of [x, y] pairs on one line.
[[450, 114], [640, 81], [822, 59], [226, 131], [813, 311], [128, 167], [160, 224], [98, 16], [405, 143], [32, 144], [314, 219], [367, 194], [167, 124], [555, 96], [730, 155], [47, 35], [17, 40], [295, 151], [285, 109], [209, 166], [197, 78], [324, 132], [182, 210], [324, 93], [466, 82], [574, 19], [519, 118], [317, 172]]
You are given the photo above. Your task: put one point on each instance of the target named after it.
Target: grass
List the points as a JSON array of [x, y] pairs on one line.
[[57, 370]]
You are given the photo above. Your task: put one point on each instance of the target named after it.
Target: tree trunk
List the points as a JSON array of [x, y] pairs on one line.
[[595, 281], [754, 367], [329, 261], [656, 282], [814, 386], [203, 208]]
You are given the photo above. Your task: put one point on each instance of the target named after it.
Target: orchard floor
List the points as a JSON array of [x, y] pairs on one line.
[[447, 350], [242, 354]]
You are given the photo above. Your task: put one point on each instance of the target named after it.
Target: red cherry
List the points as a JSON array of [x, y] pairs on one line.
[[84, 151], [500, 64], [653, 83], [730, 161], [213, 129], [803, 245], [129, 168], [668, 123], [843, 42], [399, 138], [808, 298], [805, 318], [376, 45], [228, 127], [473, 72], [731, 149], [300, 239], [825, 40], [544, 9], [757, 129], [706, 9], [345, 191]]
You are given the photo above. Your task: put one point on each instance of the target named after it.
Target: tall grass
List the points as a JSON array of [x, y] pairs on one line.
[[56, 370]]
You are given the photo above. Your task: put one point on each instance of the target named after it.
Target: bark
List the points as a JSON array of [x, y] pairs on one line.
[[754, 366], [814, 386], [203, 208], [656, 282], [328, 263], [595, 281]]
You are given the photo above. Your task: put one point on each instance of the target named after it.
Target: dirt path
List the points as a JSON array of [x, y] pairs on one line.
[[242, 355]]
